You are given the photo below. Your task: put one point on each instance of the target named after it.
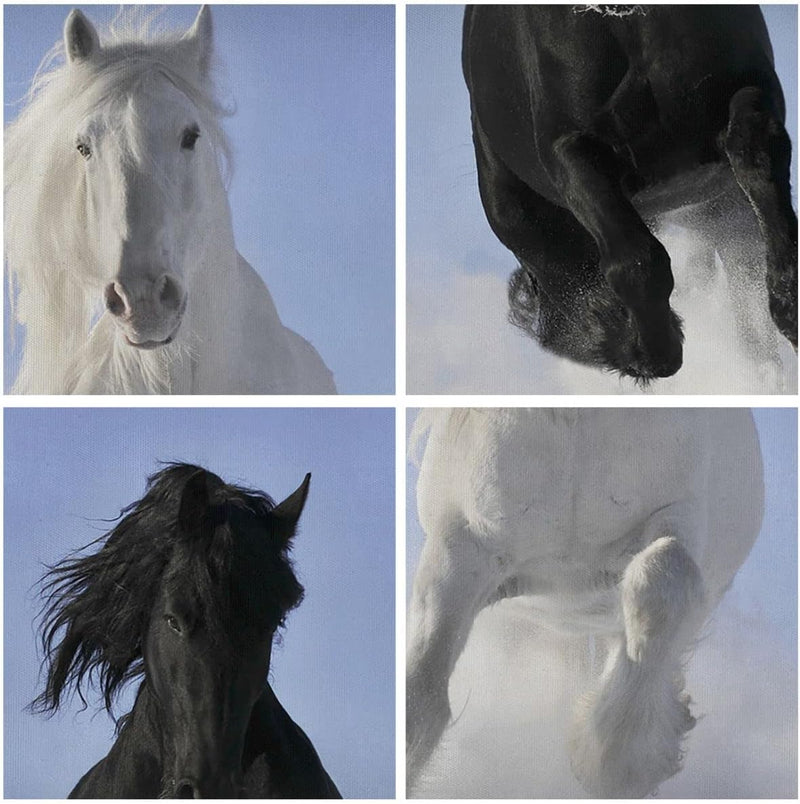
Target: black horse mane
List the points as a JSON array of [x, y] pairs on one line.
[[97, 605]]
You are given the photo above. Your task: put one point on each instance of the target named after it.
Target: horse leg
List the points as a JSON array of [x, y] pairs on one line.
[[759, 151], [636, 265], [451, 586], [513, 208], [741, 250], [629, 731], [559, 294]]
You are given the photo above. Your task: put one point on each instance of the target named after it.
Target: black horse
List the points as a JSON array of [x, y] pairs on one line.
[[589, 120], [187, 591]]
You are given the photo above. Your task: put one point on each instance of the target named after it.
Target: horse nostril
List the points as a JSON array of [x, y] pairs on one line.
[[185, 789], [170, 293], [115, 303]]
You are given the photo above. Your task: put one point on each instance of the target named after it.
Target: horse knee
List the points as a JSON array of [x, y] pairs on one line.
[[576, 149], [662, 599]]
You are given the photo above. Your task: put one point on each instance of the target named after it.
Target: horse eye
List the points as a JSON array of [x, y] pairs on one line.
[[84, 150], [173, 623], [190, 137]]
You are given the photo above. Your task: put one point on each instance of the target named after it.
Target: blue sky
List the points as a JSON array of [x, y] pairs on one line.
[[65, 470], [313, 186], [753, 631], [459, 339]]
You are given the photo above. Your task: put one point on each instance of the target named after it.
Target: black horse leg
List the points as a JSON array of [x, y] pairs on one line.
[[635, 264], [537, 231], [559, 294], [759, 151]]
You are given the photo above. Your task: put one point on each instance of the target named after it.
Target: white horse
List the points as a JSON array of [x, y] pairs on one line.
[[627, 525], [115, 206]]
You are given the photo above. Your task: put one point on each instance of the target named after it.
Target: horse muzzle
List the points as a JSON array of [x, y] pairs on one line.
[[149, 313], [216, 786]]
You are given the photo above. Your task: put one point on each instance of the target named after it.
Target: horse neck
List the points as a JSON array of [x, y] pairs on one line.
[[134, 766], [293, 767]]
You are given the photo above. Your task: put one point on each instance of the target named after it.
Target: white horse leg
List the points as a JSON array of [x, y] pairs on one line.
[[450, 588], [629, 731]]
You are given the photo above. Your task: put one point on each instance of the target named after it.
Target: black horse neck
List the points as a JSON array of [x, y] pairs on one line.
[[133, 767], [279, 760]]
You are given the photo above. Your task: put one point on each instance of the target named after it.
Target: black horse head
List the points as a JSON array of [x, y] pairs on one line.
[[188, 590]]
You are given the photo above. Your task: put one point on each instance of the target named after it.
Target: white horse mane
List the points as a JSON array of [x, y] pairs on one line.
[[44, 249]]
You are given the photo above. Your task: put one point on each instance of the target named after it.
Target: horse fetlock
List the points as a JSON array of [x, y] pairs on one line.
[[426, 700], [782, 290], [660, 342], [628, 734], [422, 736], [784, 314]]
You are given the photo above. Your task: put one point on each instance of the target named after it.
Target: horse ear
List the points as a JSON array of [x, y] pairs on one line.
[[201, 38], [194, 502], [288, 512], [81, 41]]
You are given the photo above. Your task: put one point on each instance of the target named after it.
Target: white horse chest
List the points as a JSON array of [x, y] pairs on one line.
[[572, 487]]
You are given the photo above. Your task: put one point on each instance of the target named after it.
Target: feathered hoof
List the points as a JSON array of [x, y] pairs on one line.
[[625, 745]]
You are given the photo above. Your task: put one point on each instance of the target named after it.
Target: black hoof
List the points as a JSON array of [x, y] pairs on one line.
[[663, 357]]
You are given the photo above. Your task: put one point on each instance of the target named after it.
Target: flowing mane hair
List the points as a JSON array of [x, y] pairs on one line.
[[98, 604], [50, 283]]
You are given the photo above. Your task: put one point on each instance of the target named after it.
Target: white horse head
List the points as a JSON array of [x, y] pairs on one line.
[[117, 216], [144, 146]]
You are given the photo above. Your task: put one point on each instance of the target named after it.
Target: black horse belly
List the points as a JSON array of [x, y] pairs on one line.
[[528, 72], [638, 82]]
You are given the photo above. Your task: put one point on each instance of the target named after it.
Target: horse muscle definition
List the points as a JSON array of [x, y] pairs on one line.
[[590, 124], [119, 244], [187, 591], [625, 527]]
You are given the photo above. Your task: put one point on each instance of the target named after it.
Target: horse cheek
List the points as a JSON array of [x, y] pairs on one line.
[[97, 228], [190, 213]]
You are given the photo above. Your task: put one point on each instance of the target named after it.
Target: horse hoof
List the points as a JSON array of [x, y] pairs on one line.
[[648, 367], [663, 357]]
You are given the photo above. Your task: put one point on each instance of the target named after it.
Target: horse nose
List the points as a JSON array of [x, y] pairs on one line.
[[219, 785], [165, 295], [187, 788], [168, 293], [116, 300]]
